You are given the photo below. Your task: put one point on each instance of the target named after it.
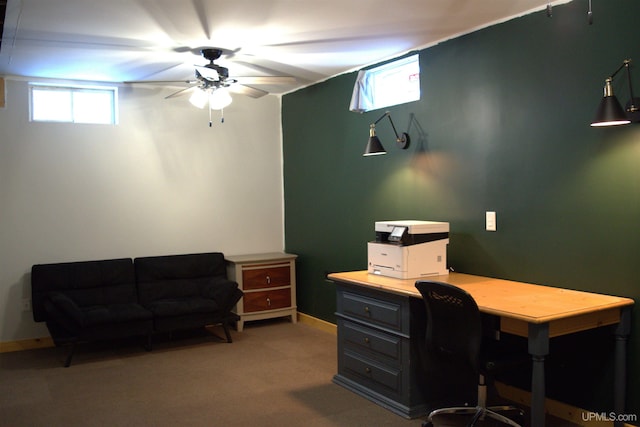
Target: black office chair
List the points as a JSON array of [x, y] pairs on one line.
[[454, 341]]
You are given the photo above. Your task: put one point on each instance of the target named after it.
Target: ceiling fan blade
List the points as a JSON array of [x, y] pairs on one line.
[[263, 65], [248, 91], [267, 80], [207, 73], [181, 92], [160, 81]]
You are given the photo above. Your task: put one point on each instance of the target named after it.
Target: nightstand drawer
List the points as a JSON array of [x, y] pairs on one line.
[[371, 310], [381, 378], [267, 277], [364, 339], [267, 300]]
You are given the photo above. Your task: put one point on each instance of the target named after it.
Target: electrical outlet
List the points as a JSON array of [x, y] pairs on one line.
[[26, 304]]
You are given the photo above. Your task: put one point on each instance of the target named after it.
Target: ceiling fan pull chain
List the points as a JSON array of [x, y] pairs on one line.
[[209, 111], [222, 115]]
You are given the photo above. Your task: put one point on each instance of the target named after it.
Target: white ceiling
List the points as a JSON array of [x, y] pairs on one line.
[[311, 40]]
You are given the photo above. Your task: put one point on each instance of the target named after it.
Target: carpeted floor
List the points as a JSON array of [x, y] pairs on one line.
[[275, 373]]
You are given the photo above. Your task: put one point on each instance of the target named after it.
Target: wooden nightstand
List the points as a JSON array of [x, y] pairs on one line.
[[269, 284]]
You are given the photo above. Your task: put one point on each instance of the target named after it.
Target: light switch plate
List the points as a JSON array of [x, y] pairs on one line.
[[490, 221]]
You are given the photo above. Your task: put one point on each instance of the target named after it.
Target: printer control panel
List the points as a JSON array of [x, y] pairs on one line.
[[396, 234]]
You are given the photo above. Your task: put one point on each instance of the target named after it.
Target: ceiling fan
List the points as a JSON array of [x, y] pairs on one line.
[[212, 83], [213, 76]]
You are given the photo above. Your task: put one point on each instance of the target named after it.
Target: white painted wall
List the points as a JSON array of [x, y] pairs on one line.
[[161, 182]]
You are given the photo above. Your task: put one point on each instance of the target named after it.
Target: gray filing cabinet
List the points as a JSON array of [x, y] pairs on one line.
[[379, 334]]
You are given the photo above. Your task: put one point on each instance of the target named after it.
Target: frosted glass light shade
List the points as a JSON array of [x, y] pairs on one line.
[[219, 99]]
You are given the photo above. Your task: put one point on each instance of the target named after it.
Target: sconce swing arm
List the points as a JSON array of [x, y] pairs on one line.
[[632, 108], [402, 140]]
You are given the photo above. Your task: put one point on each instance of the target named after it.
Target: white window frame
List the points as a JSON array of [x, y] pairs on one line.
[[73, 107], [394, 83]]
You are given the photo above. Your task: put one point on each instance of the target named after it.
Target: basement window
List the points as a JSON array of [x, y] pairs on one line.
[[394, 83], [73, 104]]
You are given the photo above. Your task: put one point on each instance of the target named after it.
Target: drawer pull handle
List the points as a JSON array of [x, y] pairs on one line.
[[366, 340], [268, 302], [268, 280], [367, 370], [366, 309]]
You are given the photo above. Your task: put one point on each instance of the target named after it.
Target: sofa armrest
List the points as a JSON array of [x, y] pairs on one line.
[[223, 291], [59, 304]]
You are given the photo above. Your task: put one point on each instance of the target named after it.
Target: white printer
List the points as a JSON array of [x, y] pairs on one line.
[[409, 249]]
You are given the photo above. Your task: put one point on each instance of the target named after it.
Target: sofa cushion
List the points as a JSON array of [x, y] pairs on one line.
[[190, 266], [179, 307], [114, 313], [87, 283], [65, 311], [224, 292], [169, 289], [180, 277], [59, 304]]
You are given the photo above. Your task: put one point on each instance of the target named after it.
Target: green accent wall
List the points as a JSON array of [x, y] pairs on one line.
[[503, 125]]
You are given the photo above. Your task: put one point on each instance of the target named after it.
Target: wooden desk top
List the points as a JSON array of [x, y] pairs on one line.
[[523, 302]]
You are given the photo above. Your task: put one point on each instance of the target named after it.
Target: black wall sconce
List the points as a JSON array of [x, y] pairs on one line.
[[610, 112], [374, 146]]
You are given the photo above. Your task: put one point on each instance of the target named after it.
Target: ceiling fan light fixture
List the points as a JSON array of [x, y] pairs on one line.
[[199, 98], [219, 99]]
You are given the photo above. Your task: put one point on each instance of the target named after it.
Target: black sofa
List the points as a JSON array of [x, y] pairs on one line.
[[118, 298], [187, 291]]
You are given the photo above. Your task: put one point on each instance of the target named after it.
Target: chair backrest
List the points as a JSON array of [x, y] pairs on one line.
[[454, 328]]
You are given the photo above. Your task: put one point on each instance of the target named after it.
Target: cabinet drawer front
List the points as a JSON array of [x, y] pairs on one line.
[[383, 379], [267, 277], [369, 340], [266, 300], [371, 310]]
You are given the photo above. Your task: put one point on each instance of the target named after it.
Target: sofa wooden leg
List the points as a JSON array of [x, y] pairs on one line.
[[67, 361], [225, 326], [149, 344]]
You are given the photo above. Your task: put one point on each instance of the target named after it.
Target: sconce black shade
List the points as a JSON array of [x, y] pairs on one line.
[[374, 147], [610, 112]]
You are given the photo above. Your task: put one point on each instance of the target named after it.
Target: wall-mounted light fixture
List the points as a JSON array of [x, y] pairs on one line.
[[374, 146], [610, 112]]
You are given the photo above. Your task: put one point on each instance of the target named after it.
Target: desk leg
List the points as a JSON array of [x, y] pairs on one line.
[[538, 349], [622, 331]]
